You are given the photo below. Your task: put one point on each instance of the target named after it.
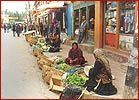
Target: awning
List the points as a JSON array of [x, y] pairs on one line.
[[51, 5], [44, 13]]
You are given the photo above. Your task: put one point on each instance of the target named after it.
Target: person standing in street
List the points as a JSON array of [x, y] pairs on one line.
[[51, 28], [41, 28], [46, 30], [82, 29], [18, 30], [25, 27], [14, 29], [5, 27]]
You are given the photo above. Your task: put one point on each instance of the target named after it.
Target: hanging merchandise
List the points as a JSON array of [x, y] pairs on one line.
[[129, 21], [136, 29], [63, 20]]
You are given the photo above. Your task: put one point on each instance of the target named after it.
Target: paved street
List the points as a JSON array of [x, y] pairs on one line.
[[21, 78]]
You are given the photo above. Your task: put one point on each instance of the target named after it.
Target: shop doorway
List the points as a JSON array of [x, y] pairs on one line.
[[91, 24]]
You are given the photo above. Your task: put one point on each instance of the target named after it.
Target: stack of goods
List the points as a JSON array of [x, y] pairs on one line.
[[75, 78], [32, 41], [43, 60], [42, 45], [27, 36], [48, 71], [37, 51]]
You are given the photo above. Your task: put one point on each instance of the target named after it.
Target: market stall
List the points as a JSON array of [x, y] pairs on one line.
[[55, 72]]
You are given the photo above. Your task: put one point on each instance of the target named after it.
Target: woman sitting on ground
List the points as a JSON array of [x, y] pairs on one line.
[[75, 55], [100, 77]]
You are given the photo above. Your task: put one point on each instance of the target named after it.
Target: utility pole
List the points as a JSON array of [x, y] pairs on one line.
[[30, 21]]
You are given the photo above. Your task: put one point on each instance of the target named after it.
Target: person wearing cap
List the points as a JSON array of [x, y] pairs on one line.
[[100, 76]]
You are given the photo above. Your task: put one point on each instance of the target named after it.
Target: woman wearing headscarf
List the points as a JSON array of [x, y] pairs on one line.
[[75, 55], [100, 77]]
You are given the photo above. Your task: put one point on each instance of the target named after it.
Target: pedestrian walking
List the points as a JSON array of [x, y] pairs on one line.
[[13, 29], [5, 28], [51, 28], [82, 29], [45, 29], [58, 27], [18, 30], [25, 27], [41, 28]]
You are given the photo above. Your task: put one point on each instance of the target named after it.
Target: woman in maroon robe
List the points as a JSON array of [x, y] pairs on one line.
[[75, 55]]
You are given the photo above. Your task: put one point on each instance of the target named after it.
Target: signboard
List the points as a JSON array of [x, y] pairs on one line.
[[12, 17]]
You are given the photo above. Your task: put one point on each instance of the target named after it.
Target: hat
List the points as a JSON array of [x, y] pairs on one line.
[[87, 68]]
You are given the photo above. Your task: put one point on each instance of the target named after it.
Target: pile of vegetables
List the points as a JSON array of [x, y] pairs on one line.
[[75, 78], [42, 44], [59, 60], [63, 66]]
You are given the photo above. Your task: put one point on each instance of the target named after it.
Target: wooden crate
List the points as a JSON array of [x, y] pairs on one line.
[[42, 62], [48, 71], [37, 52], [42, 56], [27, 36], [56, 83], [32, 41]]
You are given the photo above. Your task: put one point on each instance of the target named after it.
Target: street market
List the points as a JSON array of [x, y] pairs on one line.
[[75, 53]]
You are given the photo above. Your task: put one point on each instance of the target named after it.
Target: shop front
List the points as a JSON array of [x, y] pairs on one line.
[[119, 25], [84, 9], [52, 12]]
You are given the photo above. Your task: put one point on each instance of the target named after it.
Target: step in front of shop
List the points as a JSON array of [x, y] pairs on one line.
[[118, 57], [83, 46]]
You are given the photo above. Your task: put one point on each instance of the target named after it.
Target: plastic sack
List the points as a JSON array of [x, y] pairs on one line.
[[71, 91]]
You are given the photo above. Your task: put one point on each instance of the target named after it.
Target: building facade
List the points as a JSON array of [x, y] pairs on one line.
[[110, 25]]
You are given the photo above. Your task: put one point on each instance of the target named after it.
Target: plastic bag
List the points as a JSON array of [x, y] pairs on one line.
[[71, 91]]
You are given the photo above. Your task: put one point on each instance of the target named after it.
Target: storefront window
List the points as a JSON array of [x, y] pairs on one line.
[[127, 10], [110, 16], [91, 17], [110, 23], [91, 24], [76, 19], [126, 27]]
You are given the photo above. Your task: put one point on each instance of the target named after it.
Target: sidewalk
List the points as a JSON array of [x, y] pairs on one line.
[[117, 70]]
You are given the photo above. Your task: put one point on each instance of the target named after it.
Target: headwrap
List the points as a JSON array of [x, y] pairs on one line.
[[100, 56]]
